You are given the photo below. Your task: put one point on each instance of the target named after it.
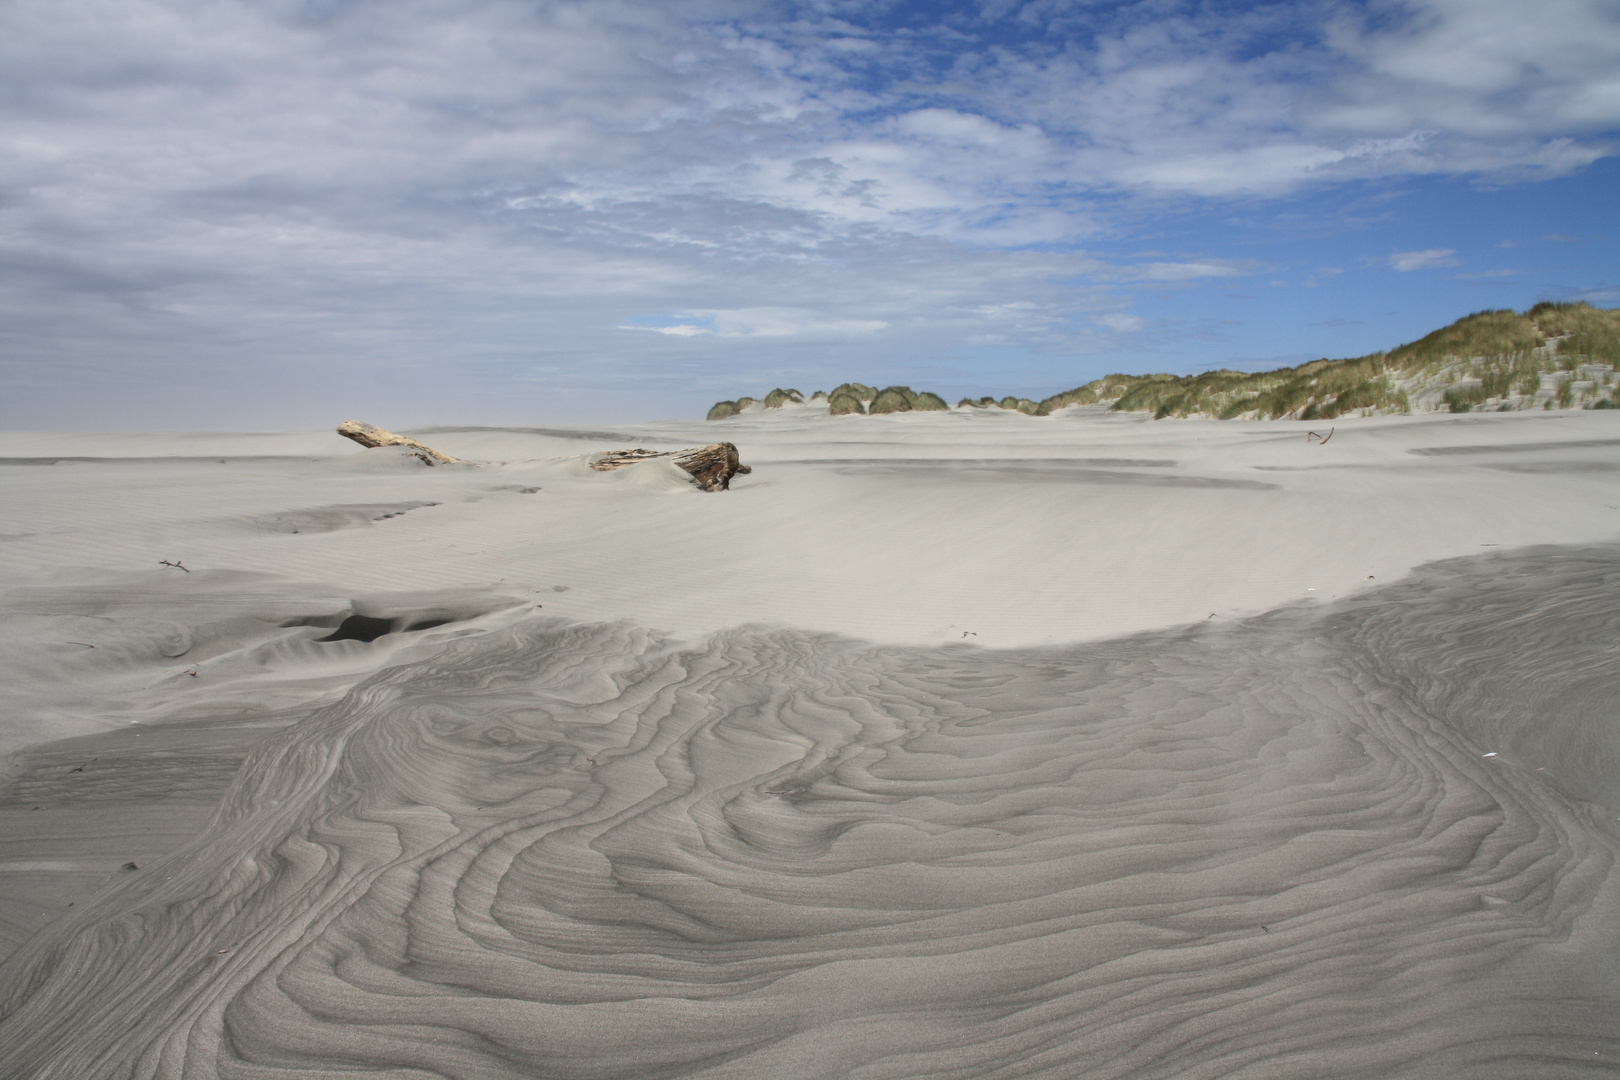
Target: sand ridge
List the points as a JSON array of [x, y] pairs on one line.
[[909, 528]]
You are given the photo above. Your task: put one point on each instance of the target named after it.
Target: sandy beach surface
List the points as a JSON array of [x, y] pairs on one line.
[[942, 745]]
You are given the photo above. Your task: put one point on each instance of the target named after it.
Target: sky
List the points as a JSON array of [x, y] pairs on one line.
[[281, 214]]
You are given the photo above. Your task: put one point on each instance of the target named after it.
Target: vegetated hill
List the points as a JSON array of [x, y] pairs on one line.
[[773, 400], [1552, 356], [846, 399]]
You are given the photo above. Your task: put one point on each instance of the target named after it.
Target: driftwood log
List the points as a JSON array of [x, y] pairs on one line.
[[369, 436], [712, 466]]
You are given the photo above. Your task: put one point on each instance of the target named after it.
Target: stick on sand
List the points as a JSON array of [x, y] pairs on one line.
[[712, 466], [369, 436]]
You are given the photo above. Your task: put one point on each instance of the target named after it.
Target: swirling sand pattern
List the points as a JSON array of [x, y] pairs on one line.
[[1270, 850]]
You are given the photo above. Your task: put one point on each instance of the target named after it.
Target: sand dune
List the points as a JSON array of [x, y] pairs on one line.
[[1365, 836]]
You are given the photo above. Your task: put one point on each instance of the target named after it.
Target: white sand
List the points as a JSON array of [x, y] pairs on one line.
[[842, 772], [892, 529]]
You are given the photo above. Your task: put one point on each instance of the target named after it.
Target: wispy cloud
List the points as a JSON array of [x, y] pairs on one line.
[[1125, 324], [678, 330], [1188, 271], [1407, 261], [758, 322]]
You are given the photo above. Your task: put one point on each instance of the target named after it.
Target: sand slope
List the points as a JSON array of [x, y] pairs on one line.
[[909, 528], [764, 813]]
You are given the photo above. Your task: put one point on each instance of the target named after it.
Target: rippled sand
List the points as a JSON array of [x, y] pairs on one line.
[[949, 745], [1374, 839]]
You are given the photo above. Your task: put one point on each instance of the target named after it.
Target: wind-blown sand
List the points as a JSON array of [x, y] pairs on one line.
[[965, 745]]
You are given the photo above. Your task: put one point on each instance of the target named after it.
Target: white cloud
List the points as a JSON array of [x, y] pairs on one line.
[[1123, 323], [683, 330], [1490, 68], [1186, 271], [1600, 296], [776, 322], [1406, 261]]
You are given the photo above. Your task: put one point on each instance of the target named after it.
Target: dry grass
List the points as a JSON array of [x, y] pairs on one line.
[[895, 399], [842, 402], [1585, 334], [1489, 355], [1495, 356]]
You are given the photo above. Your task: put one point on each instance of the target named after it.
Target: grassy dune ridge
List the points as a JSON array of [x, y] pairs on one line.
[[1555, 355]]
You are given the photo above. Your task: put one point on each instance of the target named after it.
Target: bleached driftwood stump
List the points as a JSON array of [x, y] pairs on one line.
[[368, 436], [712, 466]]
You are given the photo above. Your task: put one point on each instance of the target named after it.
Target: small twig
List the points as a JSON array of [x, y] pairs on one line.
[[86, 644], [176, 564]]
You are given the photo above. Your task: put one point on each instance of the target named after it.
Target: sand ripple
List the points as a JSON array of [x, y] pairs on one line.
[[1273, 849]]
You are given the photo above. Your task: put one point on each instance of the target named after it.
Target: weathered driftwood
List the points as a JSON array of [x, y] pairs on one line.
[[368, 436], [712, 466]]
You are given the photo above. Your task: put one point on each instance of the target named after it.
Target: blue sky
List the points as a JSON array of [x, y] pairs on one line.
[[281, 214]]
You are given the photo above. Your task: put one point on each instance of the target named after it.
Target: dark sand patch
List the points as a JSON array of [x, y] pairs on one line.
[[176, 459], [1021, 463], [1552, 468], [1050, 470], [325, 519], [1512, 448]]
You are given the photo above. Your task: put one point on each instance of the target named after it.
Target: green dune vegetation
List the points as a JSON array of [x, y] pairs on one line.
[[850, 398], [895, 399], [1014, 404], [779, 397], [1553, 356], [773, 400], [723, 409]]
